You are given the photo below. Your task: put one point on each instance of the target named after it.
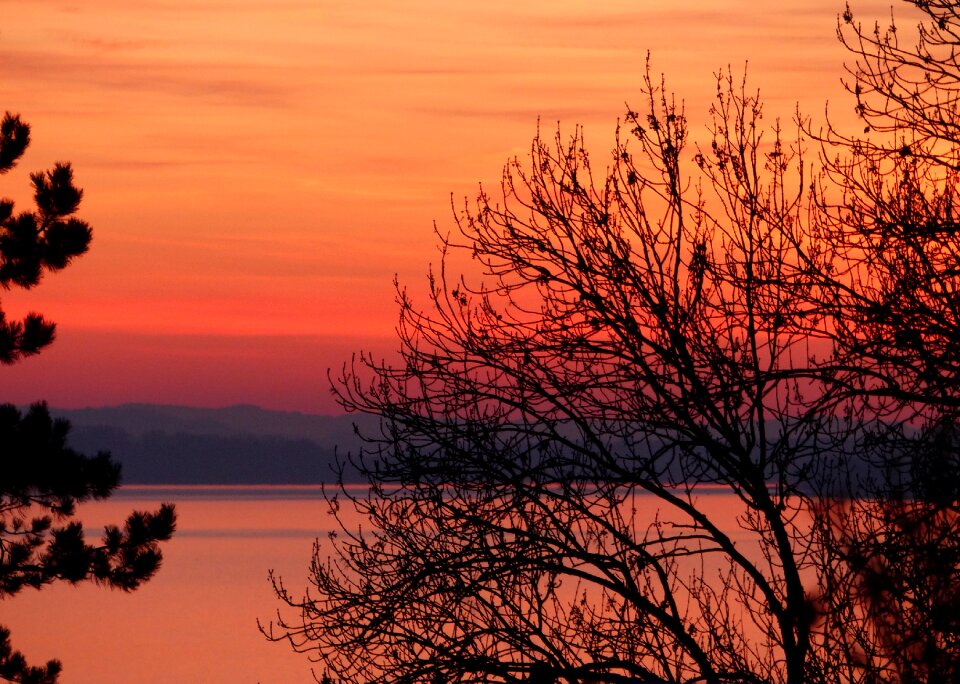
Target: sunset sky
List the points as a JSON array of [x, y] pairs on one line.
[[256, 172]]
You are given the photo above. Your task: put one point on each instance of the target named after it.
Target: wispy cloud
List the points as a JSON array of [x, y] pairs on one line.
[[234, 84]]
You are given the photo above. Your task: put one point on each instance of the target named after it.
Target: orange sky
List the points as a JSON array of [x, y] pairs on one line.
[[256, 171]]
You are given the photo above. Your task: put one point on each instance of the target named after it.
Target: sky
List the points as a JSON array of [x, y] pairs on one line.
[[257, 172]]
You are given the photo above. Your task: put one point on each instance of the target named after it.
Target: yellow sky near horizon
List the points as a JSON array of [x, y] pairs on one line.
[[256, 168]]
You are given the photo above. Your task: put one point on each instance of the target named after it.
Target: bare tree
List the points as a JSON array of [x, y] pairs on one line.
[[686, 322], [891, 592], [886, 217], [548, 441], [907, 85]]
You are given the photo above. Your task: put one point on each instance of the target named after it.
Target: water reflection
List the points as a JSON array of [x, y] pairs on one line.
[[196, 621]]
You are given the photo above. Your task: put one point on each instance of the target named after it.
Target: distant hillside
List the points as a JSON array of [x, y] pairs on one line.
[[159, 444], [177, 445]]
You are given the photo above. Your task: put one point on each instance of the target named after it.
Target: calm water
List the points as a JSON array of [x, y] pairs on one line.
[[196, 620]]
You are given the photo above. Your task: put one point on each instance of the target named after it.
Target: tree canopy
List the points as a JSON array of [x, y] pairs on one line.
[[41, 478], [765, 314]]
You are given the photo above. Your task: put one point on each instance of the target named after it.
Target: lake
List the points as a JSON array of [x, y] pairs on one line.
[[196, 620]]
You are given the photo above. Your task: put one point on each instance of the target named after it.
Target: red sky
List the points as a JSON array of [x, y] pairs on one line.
[[257, 171]]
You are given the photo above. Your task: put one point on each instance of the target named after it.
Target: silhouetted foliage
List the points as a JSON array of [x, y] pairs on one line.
[[41, 478], [33, 242], [689, 321], [892, 555]]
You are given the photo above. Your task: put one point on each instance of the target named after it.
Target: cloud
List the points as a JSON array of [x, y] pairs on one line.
[[106, 74]]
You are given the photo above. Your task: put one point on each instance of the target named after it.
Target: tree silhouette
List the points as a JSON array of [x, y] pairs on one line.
[[891, 592], [694, 319], [34, 242], [537, 508], [891, 580], [43, 479]]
